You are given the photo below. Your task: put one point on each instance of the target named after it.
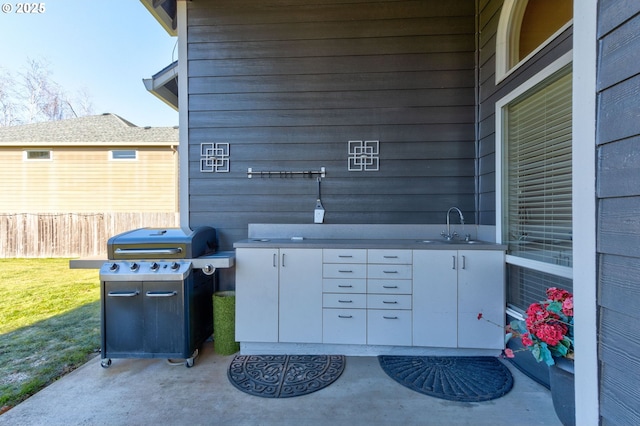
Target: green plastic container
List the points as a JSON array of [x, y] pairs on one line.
[[224, 323]]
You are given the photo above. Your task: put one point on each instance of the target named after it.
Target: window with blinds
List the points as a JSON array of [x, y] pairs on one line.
[[537, 190], [536, 183]]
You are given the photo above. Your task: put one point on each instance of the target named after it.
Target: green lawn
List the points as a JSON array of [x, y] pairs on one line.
[[49, 323]]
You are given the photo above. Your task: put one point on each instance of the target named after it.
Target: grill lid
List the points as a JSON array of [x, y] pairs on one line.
[[162, 243]]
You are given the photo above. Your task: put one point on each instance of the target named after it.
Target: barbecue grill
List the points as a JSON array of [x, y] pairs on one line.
[[156, 294]]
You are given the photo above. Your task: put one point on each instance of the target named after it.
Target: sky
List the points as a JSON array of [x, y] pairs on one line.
[[103, 47]]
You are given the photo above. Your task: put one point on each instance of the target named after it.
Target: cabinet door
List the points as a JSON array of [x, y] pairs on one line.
[[481, 290], [435, 298], [122, 317], [257, 295], [300, 295], [164, 317]]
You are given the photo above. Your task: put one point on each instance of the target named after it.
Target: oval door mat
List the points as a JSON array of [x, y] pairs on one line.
[[465, 379], [284, 376]]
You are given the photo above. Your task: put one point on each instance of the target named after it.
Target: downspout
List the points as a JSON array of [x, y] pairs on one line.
[[183, 115]]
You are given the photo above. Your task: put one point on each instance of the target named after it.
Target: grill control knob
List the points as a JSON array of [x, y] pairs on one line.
[[175, 266], [155, 266], [113, 267], [134, 266]]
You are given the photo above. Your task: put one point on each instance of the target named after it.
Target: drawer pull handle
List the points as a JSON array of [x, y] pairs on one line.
[[385, 317], [345, 316], [345, 256], [161, 293], [344, 286], [390, 272], [345, 301], [390, 257], [123, 293], [389, 286], [390, 302], [344, 271]]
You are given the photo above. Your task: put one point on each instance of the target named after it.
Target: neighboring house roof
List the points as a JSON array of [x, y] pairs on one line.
[[105, 129]]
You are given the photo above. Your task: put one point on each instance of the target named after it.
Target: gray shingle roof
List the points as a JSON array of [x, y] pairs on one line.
[[107, 129]]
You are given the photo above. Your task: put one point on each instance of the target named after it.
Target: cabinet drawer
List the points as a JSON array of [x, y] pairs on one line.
[[347, 270], [344, 256], [388, 301], [350, 301], [389, 286], [390, 256], [393, 272], [389, 327], [338, 285], [346, 326]]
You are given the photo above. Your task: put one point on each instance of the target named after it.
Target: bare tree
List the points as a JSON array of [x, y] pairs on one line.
[[8, 106]]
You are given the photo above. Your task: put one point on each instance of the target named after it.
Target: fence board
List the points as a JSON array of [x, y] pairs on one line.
[[40, 235]]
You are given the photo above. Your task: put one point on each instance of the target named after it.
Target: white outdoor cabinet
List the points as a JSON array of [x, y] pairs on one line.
[[257, 279], [435, 298], [300, 296], [481, 291], [451, 288], [279, 295]]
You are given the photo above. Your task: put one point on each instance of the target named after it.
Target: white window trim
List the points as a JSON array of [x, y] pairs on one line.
[[501, 105], [111, 157], [25, 155], [508, 37]]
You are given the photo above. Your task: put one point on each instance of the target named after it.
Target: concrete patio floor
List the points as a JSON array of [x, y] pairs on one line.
[[153, 392]]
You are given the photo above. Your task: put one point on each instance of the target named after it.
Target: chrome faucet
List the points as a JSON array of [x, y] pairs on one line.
[[448, 235]]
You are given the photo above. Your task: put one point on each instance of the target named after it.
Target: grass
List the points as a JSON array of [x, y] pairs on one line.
[[49, 324]]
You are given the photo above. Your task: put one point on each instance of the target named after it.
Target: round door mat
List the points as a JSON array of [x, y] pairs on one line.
[[465, 379], [284, 376]]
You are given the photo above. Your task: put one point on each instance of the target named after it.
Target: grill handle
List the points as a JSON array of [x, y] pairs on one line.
[[123, 293], [161, 293], [174, 250]]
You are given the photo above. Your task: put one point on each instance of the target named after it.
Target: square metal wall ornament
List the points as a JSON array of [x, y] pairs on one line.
[[364, 156], [214, 157]]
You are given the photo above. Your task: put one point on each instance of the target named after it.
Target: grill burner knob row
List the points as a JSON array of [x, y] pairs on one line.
[[134, 266], [175, 266], [113, 267], [155, 266]]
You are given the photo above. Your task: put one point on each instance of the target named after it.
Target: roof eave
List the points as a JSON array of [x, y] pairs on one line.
[[165, 13], [164, 85]]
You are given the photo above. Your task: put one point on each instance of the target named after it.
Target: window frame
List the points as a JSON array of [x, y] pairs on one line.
[[25, 155], [508, 37], [501, 105], [114, 158]]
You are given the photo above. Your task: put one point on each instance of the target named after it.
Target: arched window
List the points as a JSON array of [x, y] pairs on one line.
[[525, 27]]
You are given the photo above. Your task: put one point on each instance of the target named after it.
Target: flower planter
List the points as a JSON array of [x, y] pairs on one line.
[[561, 380]]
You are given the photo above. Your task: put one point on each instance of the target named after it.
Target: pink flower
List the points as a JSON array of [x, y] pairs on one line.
[[556, 294], [526, 340], [480, 316], [509, 353], [567, 306]]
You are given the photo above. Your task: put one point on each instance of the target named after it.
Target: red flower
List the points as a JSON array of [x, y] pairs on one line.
[[480, 316], [550, 333], [526, 340]]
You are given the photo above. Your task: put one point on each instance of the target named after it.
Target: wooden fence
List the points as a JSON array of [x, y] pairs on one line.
[[32, 235]]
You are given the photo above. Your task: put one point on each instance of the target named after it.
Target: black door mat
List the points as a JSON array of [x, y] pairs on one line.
[[284, 376], [464, 379]]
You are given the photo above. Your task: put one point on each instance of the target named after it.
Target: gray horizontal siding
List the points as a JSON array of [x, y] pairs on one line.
[[618, 225], [287, 84]]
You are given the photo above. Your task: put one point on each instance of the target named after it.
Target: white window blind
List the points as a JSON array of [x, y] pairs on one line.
[[538, 173]]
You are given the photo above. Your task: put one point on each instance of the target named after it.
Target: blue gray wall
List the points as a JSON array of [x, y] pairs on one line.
[[618, 206], [288, 83]]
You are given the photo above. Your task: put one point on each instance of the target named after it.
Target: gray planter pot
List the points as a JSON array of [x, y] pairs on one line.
[[561, 380]]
